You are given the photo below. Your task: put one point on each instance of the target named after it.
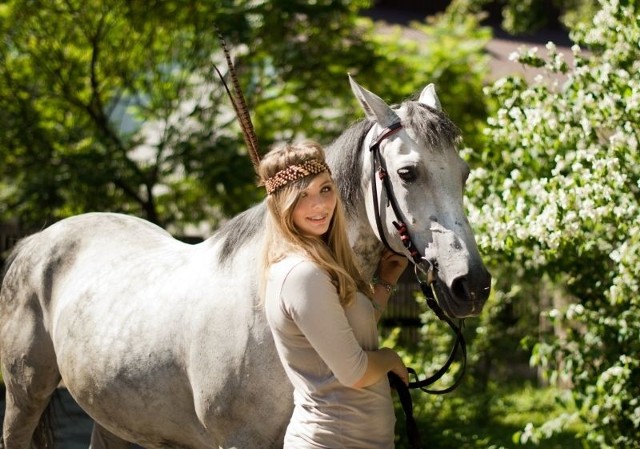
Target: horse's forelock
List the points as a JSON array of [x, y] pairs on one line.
[[431, 125]]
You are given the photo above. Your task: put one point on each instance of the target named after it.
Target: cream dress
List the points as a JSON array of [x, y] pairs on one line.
[[321, 346]]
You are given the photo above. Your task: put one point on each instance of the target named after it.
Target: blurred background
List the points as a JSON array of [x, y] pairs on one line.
[[112, 105]]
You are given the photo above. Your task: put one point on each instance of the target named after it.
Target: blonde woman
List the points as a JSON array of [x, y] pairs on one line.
[[323, 315]]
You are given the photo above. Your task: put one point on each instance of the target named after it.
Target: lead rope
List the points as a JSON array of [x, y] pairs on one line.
[[378, 165]]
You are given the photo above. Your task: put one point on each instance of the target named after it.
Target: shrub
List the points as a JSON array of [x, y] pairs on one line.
[[558, 197]]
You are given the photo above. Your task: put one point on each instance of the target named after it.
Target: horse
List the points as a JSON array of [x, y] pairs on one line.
[[164, 343]]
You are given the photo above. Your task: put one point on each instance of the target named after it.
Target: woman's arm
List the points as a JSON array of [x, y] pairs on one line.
[[390, 268], [379, 363], [382, 291]]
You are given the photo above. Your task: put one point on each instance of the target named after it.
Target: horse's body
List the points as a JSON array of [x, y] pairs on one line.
[[163, 343], [136, 322]]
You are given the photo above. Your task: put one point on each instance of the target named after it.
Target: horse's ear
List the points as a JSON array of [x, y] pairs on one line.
[[429, 97], [374, 107]]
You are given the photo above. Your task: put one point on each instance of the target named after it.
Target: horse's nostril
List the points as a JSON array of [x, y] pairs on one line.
[[459, 289]]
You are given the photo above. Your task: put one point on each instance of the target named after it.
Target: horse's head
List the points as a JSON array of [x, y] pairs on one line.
[[424, 190]]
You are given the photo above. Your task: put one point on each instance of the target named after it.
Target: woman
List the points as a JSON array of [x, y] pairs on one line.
[[322, 313]]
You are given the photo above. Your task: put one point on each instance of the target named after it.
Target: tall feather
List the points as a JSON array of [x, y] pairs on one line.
[[240, 107]]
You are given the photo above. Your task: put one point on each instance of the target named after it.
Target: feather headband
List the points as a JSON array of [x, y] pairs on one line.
[[295, 172]]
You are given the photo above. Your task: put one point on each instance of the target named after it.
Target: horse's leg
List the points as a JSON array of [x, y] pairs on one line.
[[29, 368], [103, 439], [31, 377]]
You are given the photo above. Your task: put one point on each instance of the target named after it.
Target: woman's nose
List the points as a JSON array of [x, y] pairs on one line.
[[317, 202]]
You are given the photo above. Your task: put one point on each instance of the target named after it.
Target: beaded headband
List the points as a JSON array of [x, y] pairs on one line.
[[295, 172]]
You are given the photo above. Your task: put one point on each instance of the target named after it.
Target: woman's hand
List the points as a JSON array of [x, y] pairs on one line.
[[398, 368], [391, 266], [379, 363]]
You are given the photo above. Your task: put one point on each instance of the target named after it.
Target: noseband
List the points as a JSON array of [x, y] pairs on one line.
[[425, 274]]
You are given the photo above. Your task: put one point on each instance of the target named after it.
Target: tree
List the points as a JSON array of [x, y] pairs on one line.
[[112, 105], [104, 108], [559, 198]]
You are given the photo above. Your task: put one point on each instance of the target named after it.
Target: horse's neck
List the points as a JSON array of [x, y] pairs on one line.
[[366, 246]]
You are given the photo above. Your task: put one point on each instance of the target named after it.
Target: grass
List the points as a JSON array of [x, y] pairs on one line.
[[490, 420]]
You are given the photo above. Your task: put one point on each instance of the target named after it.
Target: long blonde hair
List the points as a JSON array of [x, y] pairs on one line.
[[332, 253]]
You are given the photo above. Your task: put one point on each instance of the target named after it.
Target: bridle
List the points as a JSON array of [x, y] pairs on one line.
[[425, 271]]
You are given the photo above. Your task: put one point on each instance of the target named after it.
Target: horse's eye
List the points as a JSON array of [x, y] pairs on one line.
[[408, 174]]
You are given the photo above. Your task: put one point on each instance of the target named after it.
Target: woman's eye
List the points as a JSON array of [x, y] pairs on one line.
[[408, 174], [327, 189]]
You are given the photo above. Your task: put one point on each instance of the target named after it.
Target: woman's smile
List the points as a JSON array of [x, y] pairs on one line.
[[319, 219]]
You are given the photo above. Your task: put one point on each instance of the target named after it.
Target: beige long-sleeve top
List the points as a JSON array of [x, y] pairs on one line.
[[321, 346]]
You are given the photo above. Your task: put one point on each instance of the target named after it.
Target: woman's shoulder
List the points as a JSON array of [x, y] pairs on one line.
[[296, 262], [298, 269]]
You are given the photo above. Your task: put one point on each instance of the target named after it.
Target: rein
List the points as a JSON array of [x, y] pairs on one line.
[[426, 278]]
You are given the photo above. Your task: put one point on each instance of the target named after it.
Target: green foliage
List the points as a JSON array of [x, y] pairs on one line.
[[111, 105], [455, 59], [558, 199], [96, 97], [529, 16]]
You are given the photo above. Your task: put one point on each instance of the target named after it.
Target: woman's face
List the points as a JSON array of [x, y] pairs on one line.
[[316, 204]]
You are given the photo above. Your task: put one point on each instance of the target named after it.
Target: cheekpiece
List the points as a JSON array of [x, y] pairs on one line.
[[293, 173]]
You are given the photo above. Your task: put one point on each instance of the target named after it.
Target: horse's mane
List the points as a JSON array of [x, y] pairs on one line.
[[432, 126], [240, 229], [343, 156]]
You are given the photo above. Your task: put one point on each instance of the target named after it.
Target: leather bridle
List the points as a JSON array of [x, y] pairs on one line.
[[426, 276]]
